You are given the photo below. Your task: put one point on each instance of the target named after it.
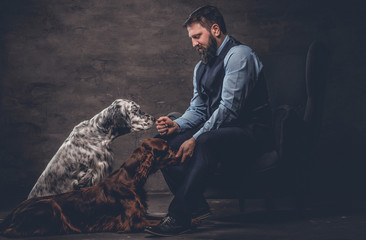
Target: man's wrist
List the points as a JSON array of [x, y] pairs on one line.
[[176, 126]]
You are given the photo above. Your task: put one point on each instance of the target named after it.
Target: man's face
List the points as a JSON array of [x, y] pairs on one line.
[[203, 41]]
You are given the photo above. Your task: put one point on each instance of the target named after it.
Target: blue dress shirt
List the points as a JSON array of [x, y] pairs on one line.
[[242, 68]]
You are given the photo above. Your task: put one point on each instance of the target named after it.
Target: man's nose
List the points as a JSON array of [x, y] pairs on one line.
[[194, 43]]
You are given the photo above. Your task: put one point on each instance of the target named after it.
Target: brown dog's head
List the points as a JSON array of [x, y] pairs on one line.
[[153, 154], [162, 154]]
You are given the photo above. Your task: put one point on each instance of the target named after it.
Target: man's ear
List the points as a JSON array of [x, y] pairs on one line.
[[215, 30]]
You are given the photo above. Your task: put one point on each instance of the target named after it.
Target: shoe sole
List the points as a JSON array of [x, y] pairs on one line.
[[165, 235]]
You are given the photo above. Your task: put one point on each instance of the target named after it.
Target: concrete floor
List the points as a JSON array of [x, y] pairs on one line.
[[228, 223]]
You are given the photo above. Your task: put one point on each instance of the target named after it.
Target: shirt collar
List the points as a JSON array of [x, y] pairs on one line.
[[218, 51]]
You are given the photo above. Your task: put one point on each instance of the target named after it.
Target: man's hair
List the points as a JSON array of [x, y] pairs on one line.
[[207, 16]]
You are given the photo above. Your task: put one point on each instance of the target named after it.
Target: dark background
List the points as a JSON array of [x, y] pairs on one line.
[[62, 62]]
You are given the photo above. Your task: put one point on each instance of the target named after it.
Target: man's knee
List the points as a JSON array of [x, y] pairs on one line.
[[206, 140], [206, 150]]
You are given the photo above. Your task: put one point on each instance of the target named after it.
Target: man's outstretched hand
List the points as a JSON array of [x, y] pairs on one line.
[[166, 126]]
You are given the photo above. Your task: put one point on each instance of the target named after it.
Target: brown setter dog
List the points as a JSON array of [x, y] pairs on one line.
[[117, 204]]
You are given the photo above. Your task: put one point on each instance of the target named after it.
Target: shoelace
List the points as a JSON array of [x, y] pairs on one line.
[[168, 220]]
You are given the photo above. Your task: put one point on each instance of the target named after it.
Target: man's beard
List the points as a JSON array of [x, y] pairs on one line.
[[208, 53]]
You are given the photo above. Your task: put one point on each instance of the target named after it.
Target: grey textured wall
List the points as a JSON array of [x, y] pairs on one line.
[[64, 61]]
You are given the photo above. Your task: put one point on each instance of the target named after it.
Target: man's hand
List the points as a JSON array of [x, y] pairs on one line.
[[186, 149], [166, 126]]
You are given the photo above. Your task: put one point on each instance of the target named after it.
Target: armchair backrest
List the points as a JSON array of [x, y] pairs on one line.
[[285, 76], [316, 77], [296, 87]]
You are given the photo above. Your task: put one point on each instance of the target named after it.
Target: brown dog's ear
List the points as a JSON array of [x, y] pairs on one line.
[[133, 161], [143, 170]]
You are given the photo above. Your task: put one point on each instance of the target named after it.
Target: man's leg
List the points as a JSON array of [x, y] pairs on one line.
[[209, 148], [174, 175]]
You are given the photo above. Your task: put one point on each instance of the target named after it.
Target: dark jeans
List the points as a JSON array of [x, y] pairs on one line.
[[232, 146]]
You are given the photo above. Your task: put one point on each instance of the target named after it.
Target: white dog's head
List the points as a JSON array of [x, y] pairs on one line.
[[124, 116], [138, 119]]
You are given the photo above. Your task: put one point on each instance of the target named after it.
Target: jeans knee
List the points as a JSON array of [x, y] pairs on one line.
[[205, 140]]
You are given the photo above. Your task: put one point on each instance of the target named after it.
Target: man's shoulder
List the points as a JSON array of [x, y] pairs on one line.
[[240, 53], [241, 50]]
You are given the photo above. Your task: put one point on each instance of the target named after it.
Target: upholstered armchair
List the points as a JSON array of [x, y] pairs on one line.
[[296, 88]]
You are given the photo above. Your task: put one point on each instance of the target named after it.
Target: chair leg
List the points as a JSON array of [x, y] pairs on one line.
[[270, 205], [242, 204], [300, 202], [300, 206], [300, 193]]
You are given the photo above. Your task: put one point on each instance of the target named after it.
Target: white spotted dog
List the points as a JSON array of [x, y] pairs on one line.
[[85, 157]]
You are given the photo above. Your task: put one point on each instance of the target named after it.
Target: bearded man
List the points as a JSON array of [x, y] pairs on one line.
[[228, 117]]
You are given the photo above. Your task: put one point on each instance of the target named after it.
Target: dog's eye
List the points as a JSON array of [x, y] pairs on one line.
[[135, 109]]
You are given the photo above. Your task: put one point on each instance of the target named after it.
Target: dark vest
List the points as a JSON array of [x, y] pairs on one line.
[[210, 78]]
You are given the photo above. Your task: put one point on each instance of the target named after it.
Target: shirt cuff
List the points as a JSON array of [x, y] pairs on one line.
[[180, 124], [197, 134]]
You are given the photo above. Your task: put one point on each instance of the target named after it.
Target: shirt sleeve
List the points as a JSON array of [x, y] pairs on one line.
[[196, 113], [242, 69]]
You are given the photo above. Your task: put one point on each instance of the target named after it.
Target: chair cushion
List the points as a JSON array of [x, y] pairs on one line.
[[266, 161], [288, 128]]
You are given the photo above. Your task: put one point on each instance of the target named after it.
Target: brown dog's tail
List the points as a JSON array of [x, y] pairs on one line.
[[5, 225], [36, 217]]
